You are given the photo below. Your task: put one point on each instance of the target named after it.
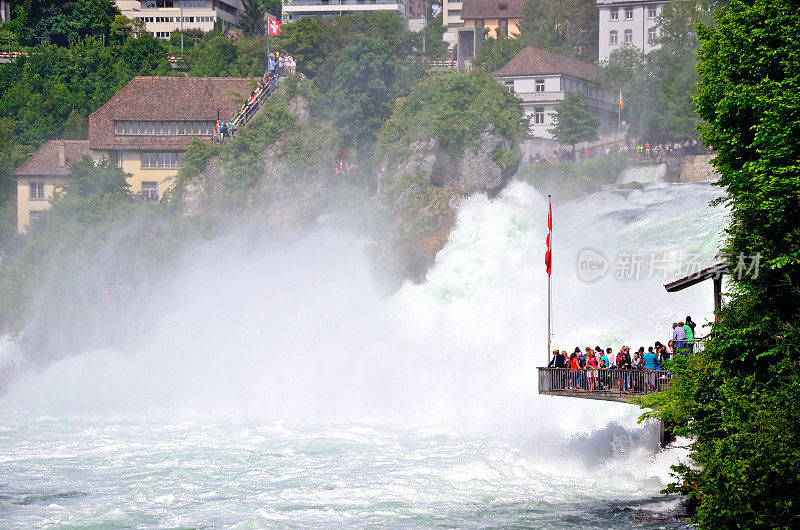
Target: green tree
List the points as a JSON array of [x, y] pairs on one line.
[[95, 179], [737, 400], [62, 23], [362, 96], [568, 27], [496, 53], [253, 18], [574, 122], [123, 27]]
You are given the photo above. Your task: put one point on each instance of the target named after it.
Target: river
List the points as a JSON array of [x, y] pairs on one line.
[[273, 385]]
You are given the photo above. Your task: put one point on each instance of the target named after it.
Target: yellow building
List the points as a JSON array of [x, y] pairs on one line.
[[500, 17], [144, 129], [42, 173]]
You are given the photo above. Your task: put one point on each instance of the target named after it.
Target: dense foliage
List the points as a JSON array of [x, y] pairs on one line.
[[738, 398], [95, 235], [657, 87], [567, 27], [453, 107], [574, 122]]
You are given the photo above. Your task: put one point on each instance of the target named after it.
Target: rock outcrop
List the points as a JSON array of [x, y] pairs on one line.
[[421, 192], [283, 197]]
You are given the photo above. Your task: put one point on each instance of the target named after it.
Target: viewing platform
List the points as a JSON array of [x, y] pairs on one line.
[[607, 385]]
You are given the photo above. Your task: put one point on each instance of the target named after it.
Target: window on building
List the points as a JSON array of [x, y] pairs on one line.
[[164, 128], [651, 34], [540, 85], [37, 191], [502, 27], [613, 39], [167, 160], [149, 160], [628, 13], [150, 191], [114, 159], [503, 7], [652, 12], [34, 214], [538, 115], [153, 160], [628, 35], [615, 14]]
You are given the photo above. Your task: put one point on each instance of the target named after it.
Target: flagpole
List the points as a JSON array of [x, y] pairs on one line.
[[549, 284]]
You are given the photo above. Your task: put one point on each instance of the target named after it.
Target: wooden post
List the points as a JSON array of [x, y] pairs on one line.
[[717, 297]]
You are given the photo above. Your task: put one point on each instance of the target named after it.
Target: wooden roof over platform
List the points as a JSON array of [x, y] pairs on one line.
[[715, 271]]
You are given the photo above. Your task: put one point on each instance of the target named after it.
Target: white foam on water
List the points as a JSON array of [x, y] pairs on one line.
[[343, 399]]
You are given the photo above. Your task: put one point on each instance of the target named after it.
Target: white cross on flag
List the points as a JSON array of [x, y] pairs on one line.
[[274, 27]]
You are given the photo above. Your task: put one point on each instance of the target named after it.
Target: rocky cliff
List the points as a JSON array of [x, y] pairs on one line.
[[277, 169], [421, 191]]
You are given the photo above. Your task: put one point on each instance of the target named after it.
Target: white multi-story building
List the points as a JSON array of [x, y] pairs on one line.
[[5, 11], [163, 17], [628, 22], [542, 81], [451, 19], [297, 9]]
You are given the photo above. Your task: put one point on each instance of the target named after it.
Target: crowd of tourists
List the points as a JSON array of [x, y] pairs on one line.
[[279, 64], [641, 151], [590, 370]]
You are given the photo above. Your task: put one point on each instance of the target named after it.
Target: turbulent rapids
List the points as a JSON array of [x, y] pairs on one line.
[[273, 385]]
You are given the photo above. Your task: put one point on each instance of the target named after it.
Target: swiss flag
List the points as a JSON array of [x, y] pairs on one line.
[[548, 255], [274, 27]]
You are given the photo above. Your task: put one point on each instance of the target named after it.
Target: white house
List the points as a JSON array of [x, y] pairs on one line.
[[542, 80], [297, 9], [627, 22], [164, 17]]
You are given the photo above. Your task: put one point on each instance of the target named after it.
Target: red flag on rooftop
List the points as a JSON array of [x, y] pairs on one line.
[[274, 27], [547, 255]]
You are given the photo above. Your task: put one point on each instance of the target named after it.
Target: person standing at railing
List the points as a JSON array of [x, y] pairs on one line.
[[602, 374], [691, 324], [574, 370], [591, 372], [607, 357], [624, 364], [678, 336], [689, 337]]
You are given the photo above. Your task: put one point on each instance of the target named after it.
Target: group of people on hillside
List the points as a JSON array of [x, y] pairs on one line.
[[671, 149], [589, 370], [643, 151], [281, 63]]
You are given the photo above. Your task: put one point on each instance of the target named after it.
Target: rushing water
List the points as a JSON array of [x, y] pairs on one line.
[[274, 386]]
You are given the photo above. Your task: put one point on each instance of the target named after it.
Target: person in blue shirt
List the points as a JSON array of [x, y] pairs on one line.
[[606, 357], [651, 360]]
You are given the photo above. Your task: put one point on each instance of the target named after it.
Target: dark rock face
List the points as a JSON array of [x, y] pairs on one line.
[[283, 199], [421, 192]]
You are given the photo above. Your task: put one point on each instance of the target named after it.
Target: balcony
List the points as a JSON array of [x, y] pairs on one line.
[[534, 97]]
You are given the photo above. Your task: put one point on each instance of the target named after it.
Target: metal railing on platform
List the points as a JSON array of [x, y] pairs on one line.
[[611, 382]]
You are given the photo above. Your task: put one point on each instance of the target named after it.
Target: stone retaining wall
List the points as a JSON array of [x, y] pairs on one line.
[[695, 168]]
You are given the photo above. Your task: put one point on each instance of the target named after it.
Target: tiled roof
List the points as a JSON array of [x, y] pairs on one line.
[[487, 9], [45, 162], [166, 99], [533, 61]]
